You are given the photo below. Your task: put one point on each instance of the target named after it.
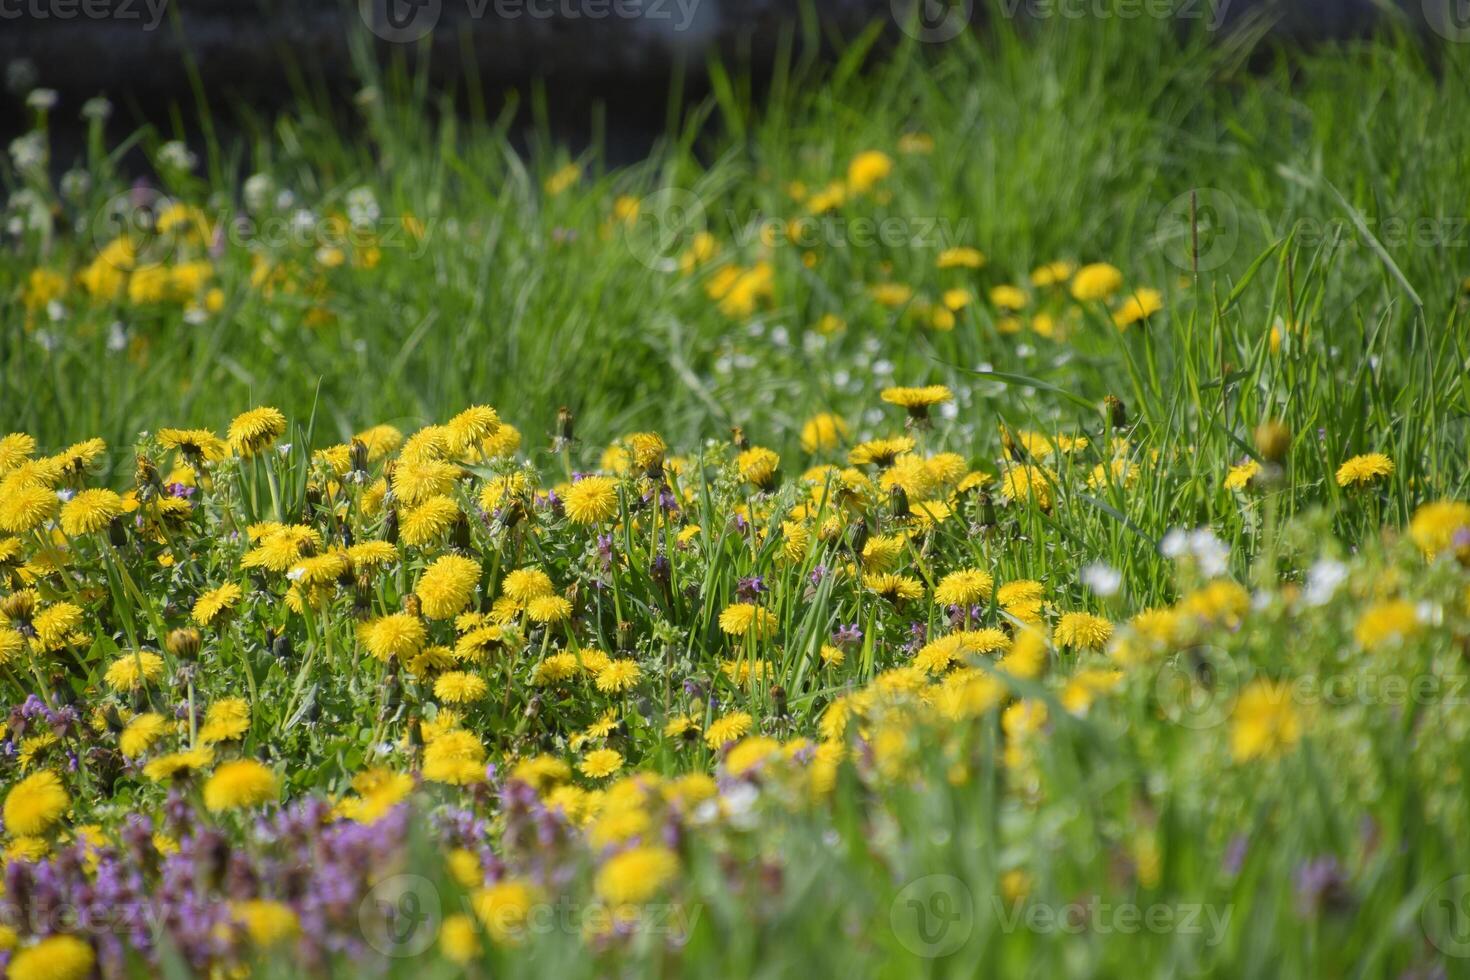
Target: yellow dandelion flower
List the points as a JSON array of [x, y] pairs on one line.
[[132, 670], [1096, 281], [823, 431], [458, 940], [177, 764], [1140, 305], [1082, 631], [728, 728], [1264, 722], [447, 585], [758, 465], [548, 609], [1243, 475], [894, 588], [600, 763], [460, 687], [960, 257], [591, 500], [1052, 274], [1356, 472], [525, 584], [226, 720], [397, 635], [1387, 622], [25, 507], [455, 757], [428, 522], [741, 618], [58, 957], [35, 804], [637, 875], [1442, 527], [918, 401], [141, 732], [964, 587], [504, 909], [57, 625], [239, 784], [266, 922], [90, 511], [255, 430], [867, 169], [618, 676]]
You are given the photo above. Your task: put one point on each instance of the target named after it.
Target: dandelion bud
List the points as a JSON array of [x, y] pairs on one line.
[[1273, 440], [564, 427], [1013, 450], [145, 476], [778, 699], [19, 606], [625, 635], [1117, 413], [900, 501], [359, 456], [987, 510], [184, 643], [737, 436], [413, 606], [858, 536], [281, 646]]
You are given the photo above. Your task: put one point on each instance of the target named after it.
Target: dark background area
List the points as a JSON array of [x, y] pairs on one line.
[[630, 58]]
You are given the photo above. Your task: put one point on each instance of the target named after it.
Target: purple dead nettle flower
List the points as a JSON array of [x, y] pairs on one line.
[[960, 617], [1321, 886], [1235, 854], [918, 636], [817, 573], [844, 635], [180, 490], [749, 588]]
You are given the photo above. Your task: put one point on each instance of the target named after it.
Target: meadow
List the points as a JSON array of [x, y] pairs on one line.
[[991, 507]]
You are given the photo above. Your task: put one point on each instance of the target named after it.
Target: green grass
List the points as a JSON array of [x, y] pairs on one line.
[[1326, 188]]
